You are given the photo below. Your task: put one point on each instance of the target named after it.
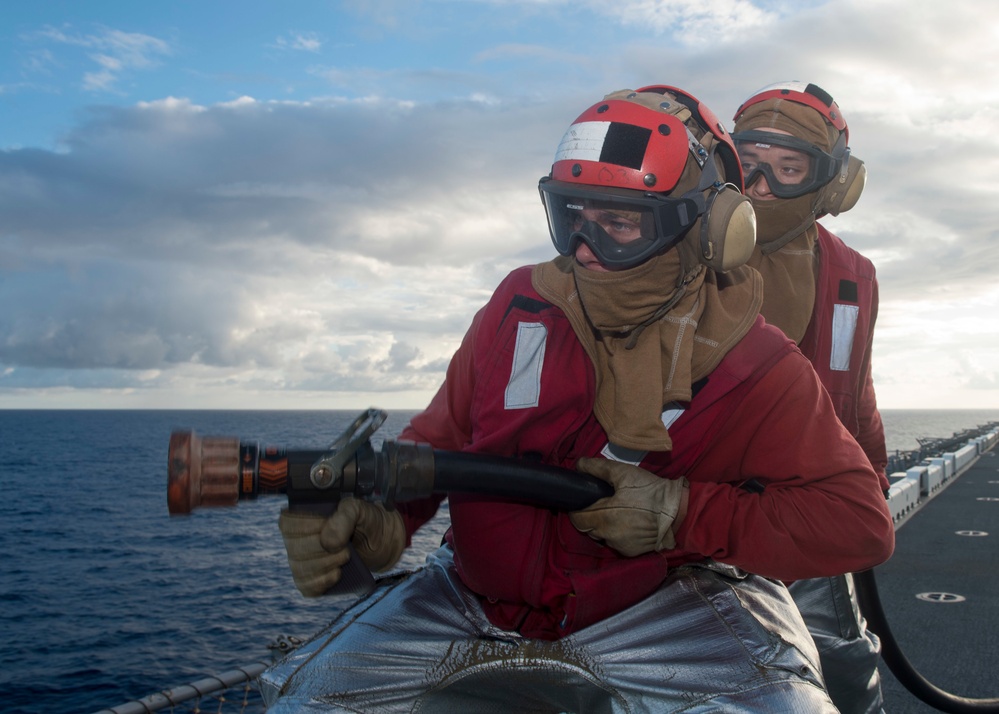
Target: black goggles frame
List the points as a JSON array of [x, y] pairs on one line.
[[563, 201], [824, 167]]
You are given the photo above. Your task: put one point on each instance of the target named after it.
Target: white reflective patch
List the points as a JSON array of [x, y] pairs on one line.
[[671, 413], [524, 388], [844, 327], [622, 454], [583, 141]]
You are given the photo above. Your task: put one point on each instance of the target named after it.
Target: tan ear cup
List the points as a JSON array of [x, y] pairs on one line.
[[843, 192], [728, 230]]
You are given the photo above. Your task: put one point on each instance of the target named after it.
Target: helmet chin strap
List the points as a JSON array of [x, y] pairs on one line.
[[663, 309], [775, 245]]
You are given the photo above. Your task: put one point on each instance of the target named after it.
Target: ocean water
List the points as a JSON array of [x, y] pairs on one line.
[[105, 598]]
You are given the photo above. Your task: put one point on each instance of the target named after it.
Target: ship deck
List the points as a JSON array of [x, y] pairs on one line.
[[940, 590]]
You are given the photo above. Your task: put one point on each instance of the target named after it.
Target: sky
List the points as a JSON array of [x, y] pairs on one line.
[[301, 205]]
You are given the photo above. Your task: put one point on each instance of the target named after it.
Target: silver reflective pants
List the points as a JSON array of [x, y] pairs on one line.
[[711, 639], [848, 652]]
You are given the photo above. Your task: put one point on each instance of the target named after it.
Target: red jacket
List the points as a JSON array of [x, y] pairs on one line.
[[838, 342], [522, 385]]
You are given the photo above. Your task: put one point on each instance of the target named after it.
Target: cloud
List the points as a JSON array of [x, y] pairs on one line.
[[115, 53], [342, 242], [303, 246], [693, 22], [299, 41]]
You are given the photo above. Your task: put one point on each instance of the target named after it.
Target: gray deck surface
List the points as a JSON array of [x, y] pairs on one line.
[[955, 643]]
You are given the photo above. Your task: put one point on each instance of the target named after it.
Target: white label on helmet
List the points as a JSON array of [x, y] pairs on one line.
[[583, 141], [794, 86]]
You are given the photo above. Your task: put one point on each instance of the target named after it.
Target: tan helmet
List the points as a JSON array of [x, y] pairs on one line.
[[661, 155], [838, 177]]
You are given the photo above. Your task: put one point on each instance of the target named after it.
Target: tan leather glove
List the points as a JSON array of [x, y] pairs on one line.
[[317, 545], [638, 517]]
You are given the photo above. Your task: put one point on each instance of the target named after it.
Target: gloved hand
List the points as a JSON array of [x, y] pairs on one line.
[[317, 545], [638, 517]]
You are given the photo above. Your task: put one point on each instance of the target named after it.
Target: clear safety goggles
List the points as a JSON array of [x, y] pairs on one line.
[[791, 166], [622, 227]]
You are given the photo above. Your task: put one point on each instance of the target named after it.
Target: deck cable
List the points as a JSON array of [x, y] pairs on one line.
[[898, 663]]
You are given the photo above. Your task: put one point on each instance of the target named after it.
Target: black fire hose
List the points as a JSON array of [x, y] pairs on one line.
[[891, 653], [209, 472]]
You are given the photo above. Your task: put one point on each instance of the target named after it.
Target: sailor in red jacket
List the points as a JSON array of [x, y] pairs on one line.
[[792, 140], [637, 356]]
